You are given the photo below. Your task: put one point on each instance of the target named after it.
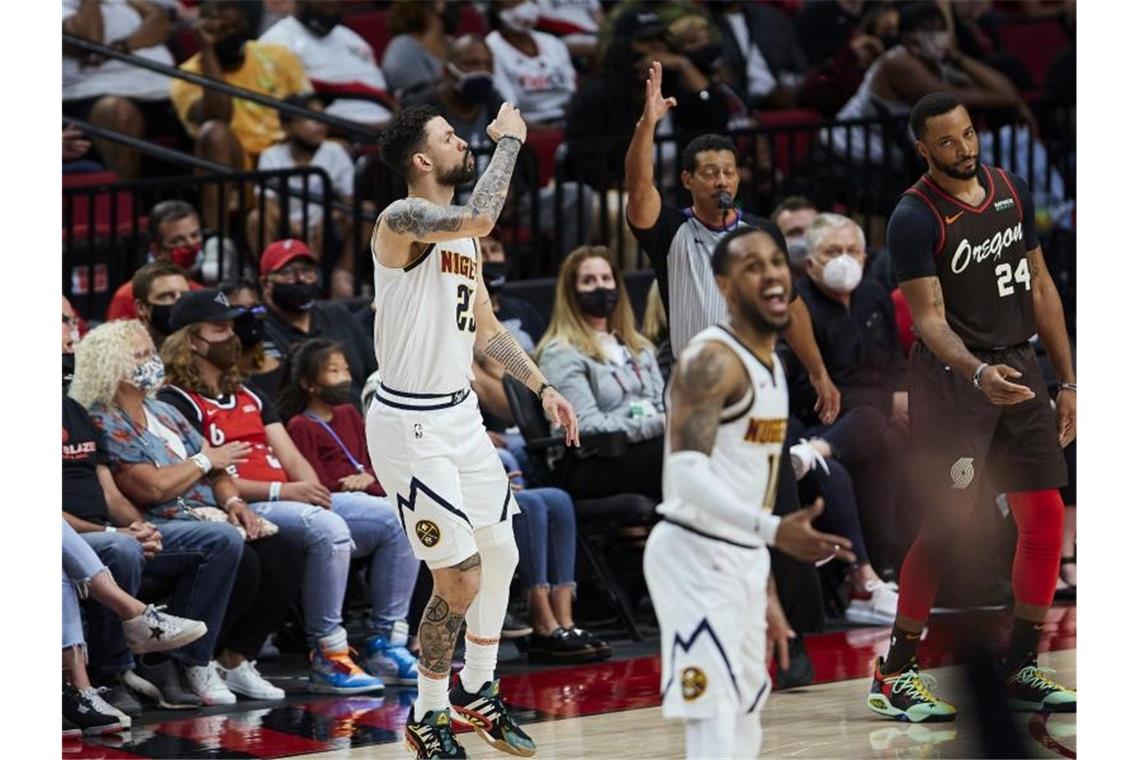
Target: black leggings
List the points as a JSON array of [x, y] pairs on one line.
[[637, 471], [840, 512], [268, 580]]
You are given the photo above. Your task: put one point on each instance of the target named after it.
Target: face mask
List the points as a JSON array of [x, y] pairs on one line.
[[599, 302], [933, 45], [706, 57], [842, 274], [521, 18], [148, 375], [494, 275], [189, 257], [296, 297], [889, 40], [797, 252], [68, 368], [316, 23], [335, 395], [474, 86], [249, 329], [229, 49], [223, 354], [160, 317]]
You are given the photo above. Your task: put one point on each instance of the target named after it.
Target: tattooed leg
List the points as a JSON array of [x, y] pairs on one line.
[[455, 587]]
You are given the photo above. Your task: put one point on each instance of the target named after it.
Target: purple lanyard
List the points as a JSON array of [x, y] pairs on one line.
[[356, 465]]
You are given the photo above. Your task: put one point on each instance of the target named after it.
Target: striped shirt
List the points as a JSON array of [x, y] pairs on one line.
[[680, 246]]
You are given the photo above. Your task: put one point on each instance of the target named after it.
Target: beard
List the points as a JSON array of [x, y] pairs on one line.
[[461, 174], [952, 170]]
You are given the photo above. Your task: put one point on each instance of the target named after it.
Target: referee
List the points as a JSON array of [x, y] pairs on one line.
[[680, 242]]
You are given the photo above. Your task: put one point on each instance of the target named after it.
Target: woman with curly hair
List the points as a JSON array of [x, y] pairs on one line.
[[205, 384], [165, 467]]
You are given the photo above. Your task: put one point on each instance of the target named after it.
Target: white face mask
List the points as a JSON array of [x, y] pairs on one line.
[[933, 45], [843, 273], [521, 18]]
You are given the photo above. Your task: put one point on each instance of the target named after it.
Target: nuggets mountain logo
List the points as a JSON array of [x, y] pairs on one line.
[[427, 532], [693, 683]]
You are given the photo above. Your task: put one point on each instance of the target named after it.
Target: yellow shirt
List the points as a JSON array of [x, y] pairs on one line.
[[270, 69]]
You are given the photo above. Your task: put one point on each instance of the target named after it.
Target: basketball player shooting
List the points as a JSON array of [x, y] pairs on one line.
[[425, 434], [964, 245], [706, 562]]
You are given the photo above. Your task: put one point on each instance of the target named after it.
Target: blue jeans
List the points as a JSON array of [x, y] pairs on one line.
[[545, 533], [328, 548], [376, 531], [80, 564], [199, 558]]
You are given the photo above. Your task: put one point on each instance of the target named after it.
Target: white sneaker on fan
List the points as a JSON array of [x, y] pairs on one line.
[[877, 603], [208, 686], [248, 682]]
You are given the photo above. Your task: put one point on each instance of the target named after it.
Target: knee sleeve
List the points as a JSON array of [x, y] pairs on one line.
[[498, 561], [711, 737], [1040, 518]]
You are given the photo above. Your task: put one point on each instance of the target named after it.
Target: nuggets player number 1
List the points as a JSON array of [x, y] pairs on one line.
[[425, 433]]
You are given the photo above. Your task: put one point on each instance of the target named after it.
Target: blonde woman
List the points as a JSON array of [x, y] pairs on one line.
[[655, 327], [608, 371]]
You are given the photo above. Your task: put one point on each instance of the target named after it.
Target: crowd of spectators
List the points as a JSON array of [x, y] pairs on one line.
[[213, 430]]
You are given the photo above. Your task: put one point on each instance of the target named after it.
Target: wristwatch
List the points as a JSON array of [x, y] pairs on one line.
[[978, 375], [1067, 387]]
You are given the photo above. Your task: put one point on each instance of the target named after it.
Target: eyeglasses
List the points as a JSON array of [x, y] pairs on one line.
[[291, 274], [142, 356]]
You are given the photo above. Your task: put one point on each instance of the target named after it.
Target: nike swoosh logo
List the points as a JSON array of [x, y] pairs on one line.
[[952, 219]]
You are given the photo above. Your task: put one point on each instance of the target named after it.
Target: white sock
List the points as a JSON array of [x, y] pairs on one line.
[[478, 665], [710, 737], [432, 696], [748, 736]]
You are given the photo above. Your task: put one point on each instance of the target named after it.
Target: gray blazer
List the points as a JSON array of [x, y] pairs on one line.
[[601, 392]]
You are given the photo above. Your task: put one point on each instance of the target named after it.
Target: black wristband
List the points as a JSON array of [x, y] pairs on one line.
[[542, 389]]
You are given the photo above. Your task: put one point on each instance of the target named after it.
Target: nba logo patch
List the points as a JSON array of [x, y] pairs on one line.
[[418, 430]]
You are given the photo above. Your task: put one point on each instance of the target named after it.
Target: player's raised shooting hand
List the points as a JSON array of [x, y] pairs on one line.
[[509, 121], [559, 411], [656, 106], [1066, 416], [995, 382], [797, 538]]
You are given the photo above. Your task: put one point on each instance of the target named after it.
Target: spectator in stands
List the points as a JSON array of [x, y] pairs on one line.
[[175, 233], [226, 130], [655, 327], [825, 26], [532, 69], [418, 48], [761, 51], [319, 409], [260, 363], [574, 21], [608, 371], [516, 314], [337, 60], [306, 144], [832, 82], [113, 94], [204, 385], [155, 287], [609, 106], [854, 322], [75, 146], [290, 282], [793, 215], [158, 463]]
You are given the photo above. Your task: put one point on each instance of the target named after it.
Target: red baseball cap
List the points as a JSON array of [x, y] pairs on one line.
[[281, 252]]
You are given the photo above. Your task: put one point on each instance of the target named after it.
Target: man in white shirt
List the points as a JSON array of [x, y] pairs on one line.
[[533, 70], [336, 60]]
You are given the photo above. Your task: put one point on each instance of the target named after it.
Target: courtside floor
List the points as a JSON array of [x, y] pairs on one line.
[[609, 710]]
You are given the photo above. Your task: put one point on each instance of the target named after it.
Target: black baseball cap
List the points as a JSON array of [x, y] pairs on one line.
[[202, 306], [639, 24]]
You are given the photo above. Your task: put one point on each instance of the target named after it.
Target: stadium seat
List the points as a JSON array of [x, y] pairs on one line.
[[108, 210], [1034, 43], [545, 141], [794, 130]]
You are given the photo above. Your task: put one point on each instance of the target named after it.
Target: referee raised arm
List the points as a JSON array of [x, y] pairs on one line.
[[680, 242]]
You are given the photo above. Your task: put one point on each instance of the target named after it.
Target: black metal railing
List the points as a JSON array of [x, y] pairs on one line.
[[105, 238]]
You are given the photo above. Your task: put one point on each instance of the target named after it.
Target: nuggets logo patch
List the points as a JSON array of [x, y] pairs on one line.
[[693, 683], [427, 532]]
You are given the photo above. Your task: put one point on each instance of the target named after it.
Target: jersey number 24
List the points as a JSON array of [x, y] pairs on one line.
[[1006, 275]]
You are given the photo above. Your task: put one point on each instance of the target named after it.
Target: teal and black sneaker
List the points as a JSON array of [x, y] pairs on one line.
[[432, 736], [1032, 690], [906, 696], [485, 712]]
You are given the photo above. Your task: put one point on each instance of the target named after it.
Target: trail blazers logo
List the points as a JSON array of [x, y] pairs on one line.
[[962, 473]]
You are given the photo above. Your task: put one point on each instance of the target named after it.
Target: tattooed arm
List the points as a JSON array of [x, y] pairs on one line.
[[924, 296], [1050, 317]]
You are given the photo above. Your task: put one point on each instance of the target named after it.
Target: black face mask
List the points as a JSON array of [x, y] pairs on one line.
[[317, 23], [599, 302], [68, 369], [706, 57], [160, 317], [249, 329], [229, 49], [295, 297], [494, 276], [335, 395], [476, 87]]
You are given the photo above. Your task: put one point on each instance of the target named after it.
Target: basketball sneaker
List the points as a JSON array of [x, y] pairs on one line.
[[906, 696], [388, 658], [485, 712], [432, 736], [1032, 690], [333, 671]]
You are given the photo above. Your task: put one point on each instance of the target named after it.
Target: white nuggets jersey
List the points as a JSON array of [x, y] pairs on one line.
[[425, 320], [746, 455]]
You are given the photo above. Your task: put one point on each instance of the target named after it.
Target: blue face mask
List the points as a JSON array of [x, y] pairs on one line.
[[149, 375]]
